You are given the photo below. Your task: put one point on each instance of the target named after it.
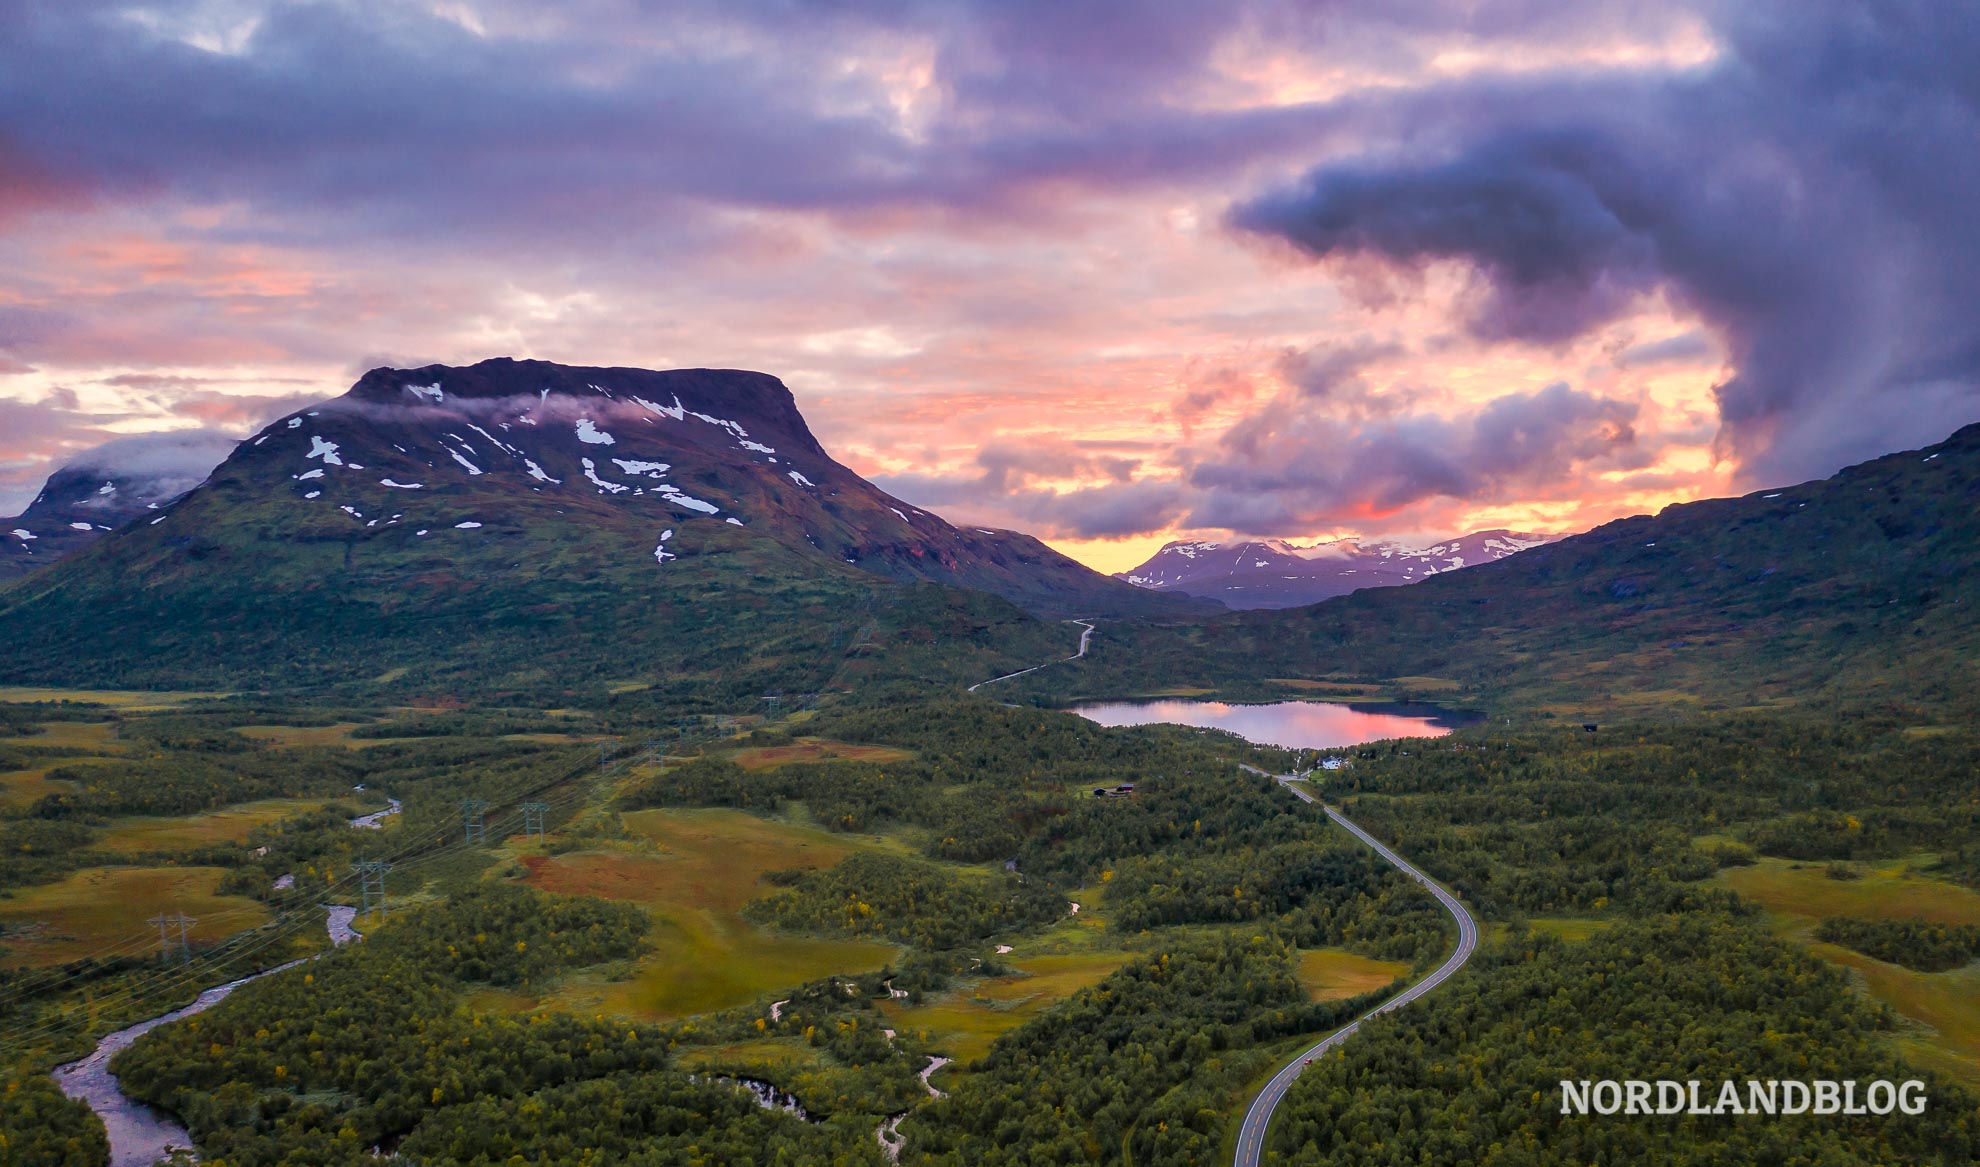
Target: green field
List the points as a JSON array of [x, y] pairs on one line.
[[21, 788], [811, 749], [704, 866], [1945, 1005], [134, 700], [104, 909], [764, 1056], [1804, 890], [303, 735], [1331, 974], [1569, 927], [81, 736], [136, 835], [962, 1023]]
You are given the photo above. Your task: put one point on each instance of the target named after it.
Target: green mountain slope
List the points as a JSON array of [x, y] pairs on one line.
[[1860, 587], [525, 525]]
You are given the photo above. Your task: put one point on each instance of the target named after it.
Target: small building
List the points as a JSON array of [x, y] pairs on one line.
[[1332, 763], [1124, 788]]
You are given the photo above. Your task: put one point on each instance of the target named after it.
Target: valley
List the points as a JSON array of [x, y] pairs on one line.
[[669, 858]]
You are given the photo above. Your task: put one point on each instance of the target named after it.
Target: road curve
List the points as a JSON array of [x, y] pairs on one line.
[[1257, 1119], [1084, 638]]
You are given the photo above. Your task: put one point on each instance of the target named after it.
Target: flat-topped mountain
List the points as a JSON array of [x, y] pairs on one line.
[[1273, 573], [497, 492]]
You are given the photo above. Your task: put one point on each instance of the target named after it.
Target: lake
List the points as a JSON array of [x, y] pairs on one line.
[[1295, 725]]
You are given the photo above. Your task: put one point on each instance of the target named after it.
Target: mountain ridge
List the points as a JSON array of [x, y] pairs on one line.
[[1275, 573], [1860, 588], [529, 494]]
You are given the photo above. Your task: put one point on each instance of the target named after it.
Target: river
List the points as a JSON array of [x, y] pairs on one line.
[[139, 1135], [1293, 725]]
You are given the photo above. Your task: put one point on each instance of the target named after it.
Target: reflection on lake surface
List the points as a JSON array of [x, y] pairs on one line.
[[1295, 725]]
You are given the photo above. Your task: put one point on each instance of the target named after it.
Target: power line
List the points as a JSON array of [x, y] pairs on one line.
[[167, 945], [191, 972], [371, 885]]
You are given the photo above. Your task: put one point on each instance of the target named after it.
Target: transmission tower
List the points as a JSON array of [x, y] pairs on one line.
[[167, 943], [371, 884], [474, 821], [533, 813]]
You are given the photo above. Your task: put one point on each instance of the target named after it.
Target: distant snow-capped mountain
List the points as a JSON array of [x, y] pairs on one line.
[[102, 489], [1272, 573]]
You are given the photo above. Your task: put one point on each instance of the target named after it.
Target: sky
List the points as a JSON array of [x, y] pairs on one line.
[[1113, 273]]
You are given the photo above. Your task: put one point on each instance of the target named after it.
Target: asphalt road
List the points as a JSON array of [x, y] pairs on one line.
[[1084, 638], [1251, 1136]]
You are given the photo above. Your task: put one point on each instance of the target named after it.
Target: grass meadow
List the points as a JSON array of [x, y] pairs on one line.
[[104, 909], [1943, 1007], [811, 749], [701, 868], [1333, 974], [140, 834]]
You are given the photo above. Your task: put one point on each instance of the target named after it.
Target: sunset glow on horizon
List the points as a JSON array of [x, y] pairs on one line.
[[1112, 274]]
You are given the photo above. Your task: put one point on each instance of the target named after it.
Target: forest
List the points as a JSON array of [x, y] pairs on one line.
[[1915, 944], [432, 1039], [1702, 996]]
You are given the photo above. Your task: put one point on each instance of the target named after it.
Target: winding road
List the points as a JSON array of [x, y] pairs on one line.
[[1084, 639], [1257, 1119]]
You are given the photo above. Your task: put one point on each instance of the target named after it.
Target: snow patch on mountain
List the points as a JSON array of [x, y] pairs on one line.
[[591, 472], [1277, 573]]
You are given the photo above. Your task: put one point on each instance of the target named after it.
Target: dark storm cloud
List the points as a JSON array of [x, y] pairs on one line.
[[1287, 467], [588, 120], [406, 124], [1809, 194]]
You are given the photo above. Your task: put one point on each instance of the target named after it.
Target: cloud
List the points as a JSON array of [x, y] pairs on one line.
[[1064, 489], [175, 461], [1683, 349], [238, 411], [32, 433], [1289, 468], [58, 429], [1807, 195], [1109, 511], [980, 237]]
